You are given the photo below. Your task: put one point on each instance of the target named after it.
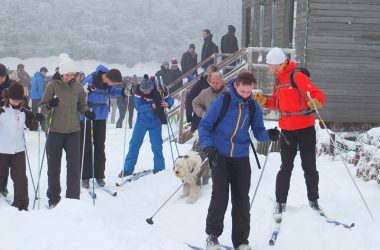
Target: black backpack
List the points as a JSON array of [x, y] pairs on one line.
[[226, 103]]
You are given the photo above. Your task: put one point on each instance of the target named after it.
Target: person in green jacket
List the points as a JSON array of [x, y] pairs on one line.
[[63, 99]]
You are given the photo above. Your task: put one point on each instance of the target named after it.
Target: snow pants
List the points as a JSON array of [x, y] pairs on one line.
[[17, 165], [70, 143], [155, 135], [237, 173], [99, 149], [305, 139]]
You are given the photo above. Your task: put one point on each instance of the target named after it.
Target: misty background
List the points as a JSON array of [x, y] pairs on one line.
[[113, 31]]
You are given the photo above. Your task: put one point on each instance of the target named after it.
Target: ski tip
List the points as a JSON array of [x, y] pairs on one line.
[[352, 224], [114, 194], [271, 242], [117, 185]]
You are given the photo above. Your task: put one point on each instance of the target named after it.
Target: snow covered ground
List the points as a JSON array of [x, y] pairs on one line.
[[119, 222]]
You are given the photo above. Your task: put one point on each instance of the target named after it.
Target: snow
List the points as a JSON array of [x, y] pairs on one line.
[[119, 222], [34, 64]]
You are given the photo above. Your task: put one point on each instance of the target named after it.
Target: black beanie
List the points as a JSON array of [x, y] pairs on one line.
[[3, 70], [114, 75], [16, 91]]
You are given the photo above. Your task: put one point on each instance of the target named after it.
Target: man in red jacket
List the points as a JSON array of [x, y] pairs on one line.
[[297, 124]]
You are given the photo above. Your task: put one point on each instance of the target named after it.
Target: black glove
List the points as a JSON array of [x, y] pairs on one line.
[[274, 134], [40, 117], [53, 103], [212, 155], [90, 114], [2, 110]]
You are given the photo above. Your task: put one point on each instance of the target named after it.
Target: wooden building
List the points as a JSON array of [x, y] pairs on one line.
[[337, 40]]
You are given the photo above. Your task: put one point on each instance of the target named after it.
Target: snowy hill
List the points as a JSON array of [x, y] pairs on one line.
[[119, 222], [121, 31]]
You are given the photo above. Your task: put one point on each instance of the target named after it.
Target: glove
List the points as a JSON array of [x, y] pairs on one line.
[[40, 117], [273, 134], [53, 103], [260, 98], [90, 114], [89, 88], [317, 103], [212, 155], [2, 110]]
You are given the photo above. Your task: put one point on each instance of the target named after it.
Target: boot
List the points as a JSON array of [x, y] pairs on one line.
[[244, 247], [4, 192], [212, 243], [123, 174], [100, 182], [315, 206], [278, 210], [86, 184]]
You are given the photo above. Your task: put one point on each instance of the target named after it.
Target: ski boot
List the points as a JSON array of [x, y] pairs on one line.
[[86, 184], [244, 247], [315, 206], [212, 243], [278, 210], [100, 182]]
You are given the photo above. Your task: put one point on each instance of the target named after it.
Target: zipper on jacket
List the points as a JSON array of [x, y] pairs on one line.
[[236, 128], [245, 118]]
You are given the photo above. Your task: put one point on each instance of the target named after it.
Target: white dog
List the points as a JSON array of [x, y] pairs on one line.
[[187, 168]]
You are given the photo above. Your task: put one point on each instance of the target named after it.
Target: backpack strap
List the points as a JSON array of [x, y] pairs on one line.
[[226, 103], [252, 110]]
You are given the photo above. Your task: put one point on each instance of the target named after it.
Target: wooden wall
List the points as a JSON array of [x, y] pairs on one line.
[[339, 42]]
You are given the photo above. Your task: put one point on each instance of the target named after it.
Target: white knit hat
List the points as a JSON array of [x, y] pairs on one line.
[[276, 56], [66, 64]]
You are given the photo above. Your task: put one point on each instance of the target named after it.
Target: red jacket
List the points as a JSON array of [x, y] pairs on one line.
[[291, 100]]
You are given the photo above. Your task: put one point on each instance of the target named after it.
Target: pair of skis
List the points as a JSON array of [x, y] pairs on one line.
[[105, 189], [277, 226], [200, 248], [134, 177]]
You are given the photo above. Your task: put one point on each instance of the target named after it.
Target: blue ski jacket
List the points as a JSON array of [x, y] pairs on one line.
[[98, 100], [231, 136]]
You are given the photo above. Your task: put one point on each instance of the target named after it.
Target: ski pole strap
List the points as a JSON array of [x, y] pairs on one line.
[[254, 152]]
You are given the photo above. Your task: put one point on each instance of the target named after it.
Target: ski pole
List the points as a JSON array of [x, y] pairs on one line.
[[37, 192], [171, 129], [83, 147], [84, 144], [125, 139], [261, 174], [92, 158], [30, 170], [341, 157], [254, 152], [150, 220]]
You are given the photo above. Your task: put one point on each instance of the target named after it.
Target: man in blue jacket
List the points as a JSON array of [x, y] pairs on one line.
[[149, 105], [99, 86], [227, 147], [37, 89]]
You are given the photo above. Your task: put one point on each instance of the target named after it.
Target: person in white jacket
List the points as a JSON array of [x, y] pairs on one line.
[[13, 119]]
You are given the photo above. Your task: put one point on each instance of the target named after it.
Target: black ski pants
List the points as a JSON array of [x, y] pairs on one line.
[[70, 143], [237, 173], [305, 139], [99, 127], [16, 163]]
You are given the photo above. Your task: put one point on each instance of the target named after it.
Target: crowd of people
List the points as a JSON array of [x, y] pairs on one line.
[[73, 109]]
